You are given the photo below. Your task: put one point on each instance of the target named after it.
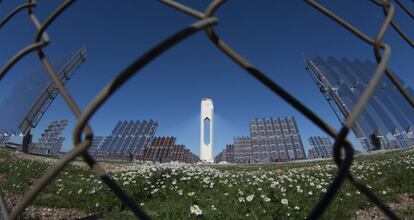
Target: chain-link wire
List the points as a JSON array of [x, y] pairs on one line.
[[206, 21], [393, 23]]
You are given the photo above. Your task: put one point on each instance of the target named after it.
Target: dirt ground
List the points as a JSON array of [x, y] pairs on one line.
[[402, 207], [42, 213]]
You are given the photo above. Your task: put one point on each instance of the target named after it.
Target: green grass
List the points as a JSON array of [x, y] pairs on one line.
[[168, 191]]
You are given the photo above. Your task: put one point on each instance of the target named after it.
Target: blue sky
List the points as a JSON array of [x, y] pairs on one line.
[[273, 35]]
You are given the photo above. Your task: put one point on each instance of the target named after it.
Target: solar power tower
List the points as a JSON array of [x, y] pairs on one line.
[[30, 98], [206, 130]]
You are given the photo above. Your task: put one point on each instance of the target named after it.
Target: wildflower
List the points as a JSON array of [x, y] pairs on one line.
[[384, 192], [241, 199], [191, 193], [297, 208], [265, 198], [154, 191], [213, 208], [250, 198], [310, 193], [194, 209], [80, 191], [284, 201]]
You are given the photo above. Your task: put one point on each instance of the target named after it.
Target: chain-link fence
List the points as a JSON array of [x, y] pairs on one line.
[[205, 21]]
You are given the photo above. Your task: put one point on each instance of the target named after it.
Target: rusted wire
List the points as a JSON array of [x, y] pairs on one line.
[[15, 11], [393, 23], [405, 8], [206, 21], [4, 213]]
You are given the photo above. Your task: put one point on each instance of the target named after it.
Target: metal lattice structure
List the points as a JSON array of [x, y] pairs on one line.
[[129, 137], [276, 139], [50, 141], [165, 149], [32, 95], [386, 117], [45, 100], [321, 147], [205, 21]]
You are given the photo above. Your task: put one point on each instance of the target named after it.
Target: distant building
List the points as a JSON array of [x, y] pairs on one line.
[[321, 147], [243, 150], [128, 138], [388, 119], [50, 141], [276, 140], [229, 153], [164, 149], [226, 155], [220, 157]]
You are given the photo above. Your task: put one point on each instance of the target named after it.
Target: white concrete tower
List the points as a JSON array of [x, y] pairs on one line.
[[206, 130]]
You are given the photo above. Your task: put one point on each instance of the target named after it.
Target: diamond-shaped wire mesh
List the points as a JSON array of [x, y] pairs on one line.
[[205, 21]]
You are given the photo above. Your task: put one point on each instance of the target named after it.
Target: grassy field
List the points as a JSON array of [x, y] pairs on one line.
[[179, 191]]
